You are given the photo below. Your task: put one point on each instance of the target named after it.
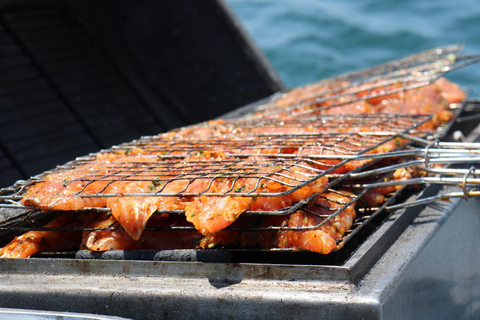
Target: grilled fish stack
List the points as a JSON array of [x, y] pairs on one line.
[[236, 169]]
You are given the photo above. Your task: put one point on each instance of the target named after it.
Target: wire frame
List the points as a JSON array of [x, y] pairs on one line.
[[238, 163], [289, 142]]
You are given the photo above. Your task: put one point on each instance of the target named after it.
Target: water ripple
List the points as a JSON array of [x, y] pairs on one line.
[[307, 40]]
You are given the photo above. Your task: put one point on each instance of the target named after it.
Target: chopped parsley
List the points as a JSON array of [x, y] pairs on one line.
[[240, 189], [155, 184], [163, 153]]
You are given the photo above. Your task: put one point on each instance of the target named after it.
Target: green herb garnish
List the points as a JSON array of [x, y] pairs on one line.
[[240, 189], [155, 184]]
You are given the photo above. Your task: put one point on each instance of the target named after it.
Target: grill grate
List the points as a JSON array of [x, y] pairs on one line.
[[290, 144], [165, 156], [246, 157]]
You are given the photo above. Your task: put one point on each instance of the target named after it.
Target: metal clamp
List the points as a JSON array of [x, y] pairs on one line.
[[464, 186]]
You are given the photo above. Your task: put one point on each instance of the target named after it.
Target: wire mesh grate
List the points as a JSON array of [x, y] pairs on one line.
[[239, 163], [296, 143]]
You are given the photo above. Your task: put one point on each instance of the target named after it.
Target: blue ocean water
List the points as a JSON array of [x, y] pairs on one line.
[[309, 40]]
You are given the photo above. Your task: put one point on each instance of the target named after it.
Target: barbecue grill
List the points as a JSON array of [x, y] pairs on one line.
[[398, 257]]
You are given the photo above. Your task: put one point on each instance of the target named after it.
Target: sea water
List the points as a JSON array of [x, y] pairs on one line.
[[309, 40]]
